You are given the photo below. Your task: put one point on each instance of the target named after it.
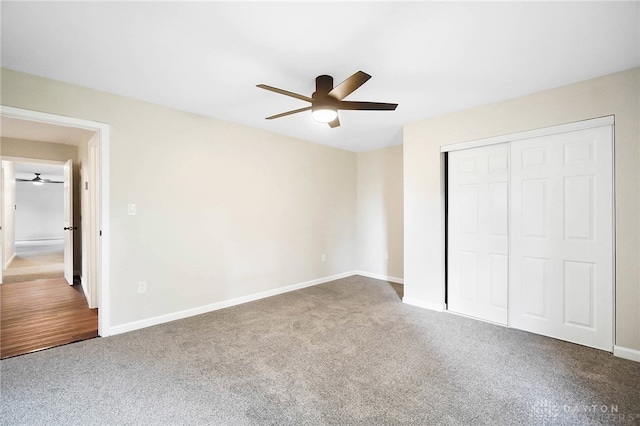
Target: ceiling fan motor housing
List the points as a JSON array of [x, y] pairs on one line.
[[322, 101], [324, 84]]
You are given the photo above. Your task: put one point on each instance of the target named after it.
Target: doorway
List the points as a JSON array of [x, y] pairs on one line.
[[38, 218], [91, 141], [42, 304]]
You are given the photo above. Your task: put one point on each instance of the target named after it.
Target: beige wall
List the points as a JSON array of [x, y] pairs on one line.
[[616, 94], [380, 212], [37, 150], [223, 210]]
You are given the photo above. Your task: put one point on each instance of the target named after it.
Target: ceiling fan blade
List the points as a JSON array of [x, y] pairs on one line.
[[285, 92], [295, 111], [23, 180], [347, 87], [334, 123], [366, 106]]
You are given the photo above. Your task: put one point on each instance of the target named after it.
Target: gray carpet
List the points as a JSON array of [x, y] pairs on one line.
[[342, 353]]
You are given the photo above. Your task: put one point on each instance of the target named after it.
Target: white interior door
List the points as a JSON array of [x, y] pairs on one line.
[[561, 240], [478, 262], [68, 222]]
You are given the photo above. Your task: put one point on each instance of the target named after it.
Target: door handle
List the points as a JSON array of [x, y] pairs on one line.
[[70, 228]]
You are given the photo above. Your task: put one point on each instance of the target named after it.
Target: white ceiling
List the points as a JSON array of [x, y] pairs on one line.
[[47, 171], [430, 57]]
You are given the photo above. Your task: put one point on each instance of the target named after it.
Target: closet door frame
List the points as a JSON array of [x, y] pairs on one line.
[[547, 131]]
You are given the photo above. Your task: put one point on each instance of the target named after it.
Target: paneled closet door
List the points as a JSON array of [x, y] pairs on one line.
[[478, 194], [561, 240]]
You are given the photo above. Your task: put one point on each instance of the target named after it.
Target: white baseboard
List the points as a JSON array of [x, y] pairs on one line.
[[13, 256], [136, 325], [380, 277], [626, 353], [424, 304]]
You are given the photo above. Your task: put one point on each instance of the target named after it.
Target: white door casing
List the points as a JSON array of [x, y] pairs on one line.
[[561, 240], [478, 246], [68, 221], [93, 228]]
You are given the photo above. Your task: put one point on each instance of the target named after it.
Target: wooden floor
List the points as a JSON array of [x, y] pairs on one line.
[[41, 314]]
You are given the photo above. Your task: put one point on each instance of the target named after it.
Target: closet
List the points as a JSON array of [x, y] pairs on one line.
[[530, 231]]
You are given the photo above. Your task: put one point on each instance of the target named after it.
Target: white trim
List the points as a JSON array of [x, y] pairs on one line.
[[626, 353], [380, 277], [13, 256], [32, 160], [161, 319], [104, 247], [91, 228], [83, 284], [545, 131], [439, 307], [614, 231], [104, 242], [43, 117]]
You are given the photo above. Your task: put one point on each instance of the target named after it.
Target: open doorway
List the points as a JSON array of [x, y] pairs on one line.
[[38, 222], [42, 305], [28, 137]]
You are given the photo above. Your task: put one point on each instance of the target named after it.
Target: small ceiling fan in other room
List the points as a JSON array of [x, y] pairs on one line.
[[327, 100], [38, 180]]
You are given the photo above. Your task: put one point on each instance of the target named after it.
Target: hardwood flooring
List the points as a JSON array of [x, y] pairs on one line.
[[41, 314]]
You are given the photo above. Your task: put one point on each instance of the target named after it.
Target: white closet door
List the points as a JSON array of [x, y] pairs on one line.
[[561, 241], [478, 185]]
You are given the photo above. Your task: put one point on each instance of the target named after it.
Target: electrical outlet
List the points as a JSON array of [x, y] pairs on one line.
[[324, 257], [132, 209], [142, 286]]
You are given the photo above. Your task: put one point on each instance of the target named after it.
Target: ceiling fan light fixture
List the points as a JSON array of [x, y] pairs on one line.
[[37, 180], [324, 113]]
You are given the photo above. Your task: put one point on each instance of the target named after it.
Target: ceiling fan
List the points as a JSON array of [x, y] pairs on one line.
[[327, 100], [38, 180]]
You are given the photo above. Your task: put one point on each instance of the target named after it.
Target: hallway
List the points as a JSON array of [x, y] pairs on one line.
[[36, 260]]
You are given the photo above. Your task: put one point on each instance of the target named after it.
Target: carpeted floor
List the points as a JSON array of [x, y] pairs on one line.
[[36, 260], [346, 352]]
